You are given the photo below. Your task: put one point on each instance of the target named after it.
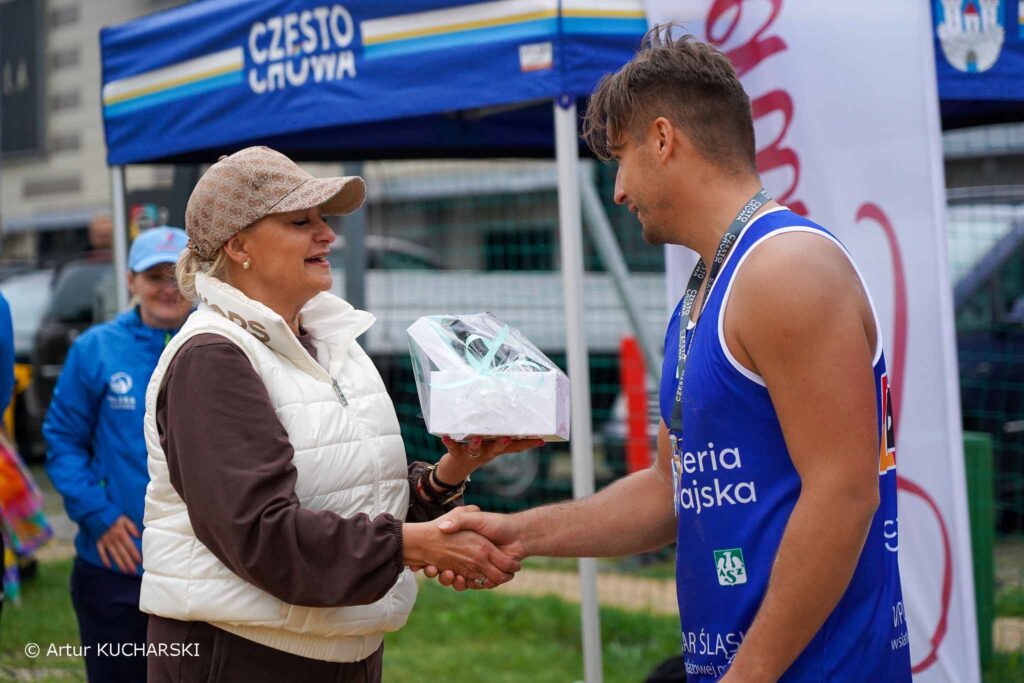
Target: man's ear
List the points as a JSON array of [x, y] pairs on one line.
[[664, 138]]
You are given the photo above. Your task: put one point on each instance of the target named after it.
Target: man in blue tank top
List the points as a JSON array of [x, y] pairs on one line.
[[776, 459]]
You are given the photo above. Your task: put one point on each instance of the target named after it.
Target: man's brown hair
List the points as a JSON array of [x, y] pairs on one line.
[[688, 82]]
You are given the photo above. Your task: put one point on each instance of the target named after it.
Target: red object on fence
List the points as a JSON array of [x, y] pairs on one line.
[[633, 378]]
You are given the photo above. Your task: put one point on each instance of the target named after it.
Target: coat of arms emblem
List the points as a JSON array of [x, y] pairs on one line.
[[971, 32]]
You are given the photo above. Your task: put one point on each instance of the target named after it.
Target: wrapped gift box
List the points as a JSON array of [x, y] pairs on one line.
[[477, 376]]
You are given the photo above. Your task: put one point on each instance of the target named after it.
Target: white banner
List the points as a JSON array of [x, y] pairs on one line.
[[846, 114]]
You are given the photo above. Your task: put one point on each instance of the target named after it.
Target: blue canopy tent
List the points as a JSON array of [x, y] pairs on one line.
[[377, 80], [979, 60], [361, 80]]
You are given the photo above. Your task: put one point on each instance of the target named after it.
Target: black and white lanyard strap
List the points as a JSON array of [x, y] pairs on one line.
[[693, 286]]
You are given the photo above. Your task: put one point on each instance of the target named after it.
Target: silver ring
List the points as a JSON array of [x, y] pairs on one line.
[[472, 454], [480, 581]]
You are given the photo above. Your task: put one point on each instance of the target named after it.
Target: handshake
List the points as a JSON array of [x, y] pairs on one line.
[[466, 548]]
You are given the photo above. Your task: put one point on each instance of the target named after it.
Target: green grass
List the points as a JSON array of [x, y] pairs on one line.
[[470, 636], [1005, 668], [480, 636], [662, 567], [1010, 602], [44, 616]]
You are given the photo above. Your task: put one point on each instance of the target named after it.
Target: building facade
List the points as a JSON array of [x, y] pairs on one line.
[[52, 186]]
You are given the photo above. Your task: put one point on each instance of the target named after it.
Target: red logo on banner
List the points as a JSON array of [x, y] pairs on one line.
[[775, 156], [939, 634]]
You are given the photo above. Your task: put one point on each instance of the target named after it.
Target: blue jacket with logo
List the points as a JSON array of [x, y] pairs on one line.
[[6, 356], [96, 452]]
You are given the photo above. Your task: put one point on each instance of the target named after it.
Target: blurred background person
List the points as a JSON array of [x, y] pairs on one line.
[[96, 452], [101, 231]]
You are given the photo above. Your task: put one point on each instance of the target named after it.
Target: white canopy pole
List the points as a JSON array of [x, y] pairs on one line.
[[120, 237], [570, 236]]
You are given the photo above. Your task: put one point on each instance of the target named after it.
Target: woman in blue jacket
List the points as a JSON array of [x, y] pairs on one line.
[[96, 454]]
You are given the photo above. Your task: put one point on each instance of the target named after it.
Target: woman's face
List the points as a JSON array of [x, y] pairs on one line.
[[288, 254], [160, 303]]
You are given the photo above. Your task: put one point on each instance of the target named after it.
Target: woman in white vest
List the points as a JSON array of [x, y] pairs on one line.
[[282, 520]]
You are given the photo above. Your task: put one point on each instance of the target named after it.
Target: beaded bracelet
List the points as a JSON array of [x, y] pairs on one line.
[[428, 492]]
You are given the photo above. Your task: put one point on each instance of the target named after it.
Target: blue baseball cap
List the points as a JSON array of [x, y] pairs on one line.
[[155, 246]]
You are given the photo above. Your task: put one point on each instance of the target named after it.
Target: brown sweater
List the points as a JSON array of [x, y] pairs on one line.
[[230, 460]]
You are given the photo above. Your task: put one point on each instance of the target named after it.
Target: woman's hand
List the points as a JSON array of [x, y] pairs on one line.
[[464, 553], [501, 530], [462, 459]]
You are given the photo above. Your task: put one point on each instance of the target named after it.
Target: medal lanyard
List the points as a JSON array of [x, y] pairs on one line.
[[693, 286]]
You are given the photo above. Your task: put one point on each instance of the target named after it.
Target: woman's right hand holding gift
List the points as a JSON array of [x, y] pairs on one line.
[[462, 459]]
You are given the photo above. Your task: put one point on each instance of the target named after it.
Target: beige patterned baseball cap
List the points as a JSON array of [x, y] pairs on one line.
[[256, 182]]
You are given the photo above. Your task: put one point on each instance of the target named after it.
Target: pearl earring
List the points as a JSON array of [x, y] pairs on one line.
[[246, 264]]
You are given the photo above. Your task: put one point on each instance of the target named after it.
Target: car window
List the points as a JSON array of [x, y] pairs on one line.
[[74, 294], [974, 230], [386, 258], [105, 299], [27, 295], [397, 260]]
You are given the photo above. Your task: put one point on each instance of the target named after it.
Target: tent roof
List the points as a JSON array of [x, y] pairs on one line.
[[427, 78], [360, 80]]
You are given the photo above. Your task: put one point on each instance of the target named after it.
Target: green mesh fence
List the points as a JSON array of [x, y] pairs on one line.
[[990, 333], [986, 247]]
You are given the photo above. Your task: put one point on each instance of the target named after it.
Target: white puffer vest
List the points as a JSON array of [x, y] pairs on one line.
[[348, 454]]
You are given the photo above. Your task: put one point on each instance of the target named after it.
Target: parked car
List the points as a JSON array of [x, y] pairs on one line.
[[28, 293], [78, 292], [389, 253], [10, 269]]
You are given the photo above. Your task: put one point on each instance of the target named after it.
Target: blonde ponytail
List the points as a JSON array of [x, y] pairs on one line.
[[190, 264]]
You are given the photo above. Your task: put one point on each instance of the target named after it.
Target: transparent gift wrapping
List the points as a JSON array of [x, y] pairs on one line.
[[477, 376]]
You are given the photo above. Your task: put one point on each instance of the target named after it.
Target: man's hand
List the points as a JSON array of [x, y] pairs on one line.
[[500, 529], [117, 546], [463, 553]]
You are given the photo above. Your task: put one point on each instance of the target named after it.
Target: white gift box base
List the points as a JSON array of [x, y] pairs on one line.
[[518, 404]]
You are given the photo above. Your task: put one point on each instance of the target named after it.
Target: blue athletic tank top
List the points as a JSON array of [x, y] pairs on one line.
[[736, 490]]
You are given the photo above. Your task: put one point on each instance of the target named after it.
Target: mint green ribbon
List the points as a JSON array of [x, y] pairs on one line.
[[481, 367]]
